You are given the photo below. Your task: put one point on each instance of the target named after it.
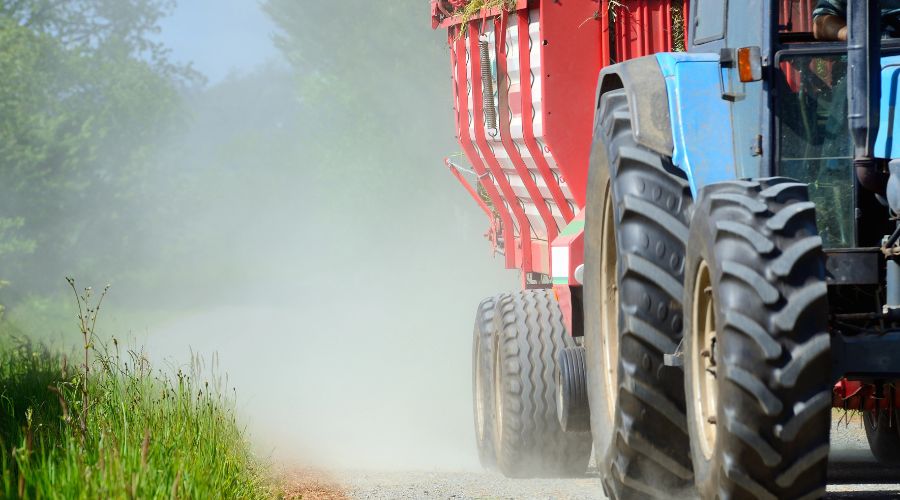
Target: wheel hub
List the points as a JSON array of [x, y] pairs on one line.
[[703, 361], [609, 307]]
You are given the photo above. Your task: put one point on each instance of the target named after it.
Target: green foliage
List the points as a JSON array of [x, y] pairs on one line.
[[87, 98], [471, 9], [146, 435]]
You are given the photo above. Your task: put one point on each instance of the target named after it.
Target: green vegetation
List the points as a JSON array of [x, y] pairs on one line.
[[114, 428], [474, 7], [87, 97]]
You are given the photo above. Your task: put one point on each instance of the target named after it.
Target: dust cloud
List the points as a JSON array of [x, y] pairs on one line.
[[325, 257]]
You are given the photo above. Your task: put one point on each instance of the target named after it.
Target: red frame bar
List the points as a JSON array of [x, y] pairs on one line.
[[458, 57], [531, 144], [643, 27], [524, 226], [857, 395], [504, 118], [468, 187], [605, 52]]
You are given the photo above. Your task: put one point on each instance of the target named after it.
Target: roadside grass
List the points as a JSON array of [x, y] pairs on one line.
[[110, 426], [143, 435]]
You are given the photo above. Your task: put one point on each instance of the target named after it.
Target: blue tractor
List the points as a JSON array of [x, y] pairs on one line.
[[741, 244]]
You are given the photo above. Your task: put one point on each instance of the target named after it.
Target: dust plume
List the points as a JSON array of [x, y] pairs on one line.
[[298, 222]]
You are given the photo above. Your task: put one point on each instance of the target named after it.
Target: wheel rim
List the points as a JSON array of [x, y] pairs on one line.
[[498, 396], [609, 306], [479, 392], [703, 365]]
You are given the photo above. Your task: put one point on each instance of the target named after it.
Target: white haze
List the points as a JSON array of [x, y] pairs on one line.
[[346, 335]]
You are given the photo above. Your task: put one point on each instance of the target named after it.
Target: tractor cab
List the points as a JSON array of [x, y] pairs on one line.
[[791, 118], [812, 130]]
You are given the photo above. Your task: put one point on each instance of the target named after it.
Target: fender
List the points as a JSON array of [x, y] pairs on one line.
[[677, 111], [645, 88]]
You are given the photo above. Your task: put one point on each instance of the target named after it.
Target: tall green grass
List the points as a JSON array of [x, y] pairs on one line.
[[144, 435], [118, 429]]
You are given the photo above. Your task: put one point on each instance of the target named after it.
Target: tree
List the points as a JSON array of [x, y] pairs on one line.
[[86, 99]]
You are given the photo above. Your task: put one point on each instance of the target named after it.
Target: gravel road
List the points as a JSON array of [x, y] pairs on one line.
[[851, 466], [464, 485]]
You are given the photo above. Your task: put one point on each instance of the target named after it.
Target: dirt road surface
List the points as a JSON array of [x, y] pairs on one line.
[[852, 467]]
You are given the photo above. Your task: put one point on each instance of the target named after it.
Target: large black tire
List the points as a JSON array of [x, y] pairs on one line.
[[757, 352], [529, 439], [483, 339], [883, 434], [639, 207]]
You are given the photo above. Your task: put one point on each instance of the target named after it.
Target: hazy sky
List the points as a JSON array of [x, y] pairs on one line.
[[220, 36]]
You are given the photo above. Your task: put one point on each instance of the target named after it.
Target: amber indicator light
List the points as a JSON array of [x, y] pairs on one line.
[[745, 68]]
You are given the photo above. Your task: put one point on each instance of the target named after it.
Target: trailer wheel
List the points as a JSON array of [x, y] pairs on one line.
[[638, 209], [883, 435], [757, 352], [529, 438], [483, 339]]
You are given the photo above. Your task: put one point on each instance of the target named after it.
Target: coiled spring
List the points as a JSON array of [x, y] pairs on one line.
[[487, 86]]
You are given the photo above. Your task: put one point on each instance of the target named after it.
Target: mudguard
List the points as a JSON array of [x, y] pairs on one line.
[[678, 111], [647, 98]]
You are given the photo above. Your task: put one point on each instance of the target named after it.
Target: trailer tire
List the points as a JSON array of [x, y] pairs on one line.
[[483, 339], [530, 441], [883, 435], [638, 208], [757, 349]]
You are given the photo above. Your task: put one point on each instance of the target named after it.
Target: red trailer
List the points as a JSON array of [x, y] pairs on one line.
[[529, 146]]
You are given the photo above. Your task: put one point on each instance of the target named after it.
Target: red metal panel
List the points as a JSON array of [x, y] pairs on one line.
[[540, 256], [563, 294], [458, 53], [797, 14], [524, 241], [570, 56], [643, 27], [528, 119], [504, 114]]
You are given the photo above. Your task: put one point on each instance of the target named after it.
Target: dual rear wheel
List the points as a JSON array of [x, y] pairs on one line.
[[518, 341]]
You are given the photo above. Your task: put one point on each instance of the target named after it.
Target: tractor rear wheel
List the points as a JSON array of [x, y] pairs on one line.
[[483, 340], [883, 434], [530, 441], [757, 350], [638, 209]]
